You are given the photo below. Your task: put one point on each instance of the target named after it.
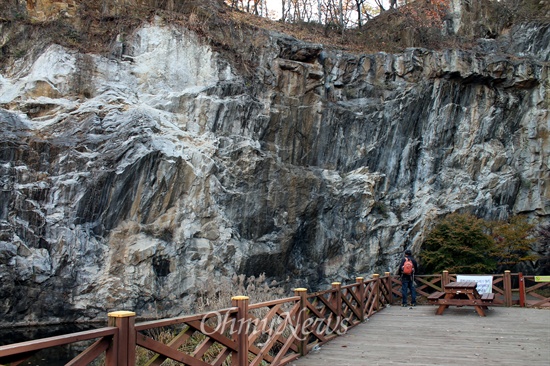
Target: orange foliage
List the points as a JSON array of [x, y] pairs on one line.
[[426, 13]]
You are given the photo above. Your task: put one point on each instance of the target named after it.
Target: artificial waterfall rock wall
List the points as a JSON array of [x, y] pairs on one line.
[[129, 180]]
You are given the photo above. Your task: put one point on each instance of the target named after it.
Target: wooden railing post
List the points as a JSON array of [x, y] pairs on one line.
[[124, 346], [361, 295], [242, 328], [389, 287], [521, 290], [376, 291], [507, 288], [444, 279], [337, 286], [301, 332]]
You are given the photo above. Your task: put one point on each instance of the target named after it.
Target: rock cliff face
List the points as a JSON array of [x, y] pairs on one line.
[[129, 180]]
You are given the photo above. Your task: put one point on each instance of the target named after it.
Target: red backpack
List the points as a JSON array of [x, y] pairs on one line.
[[408, 267]]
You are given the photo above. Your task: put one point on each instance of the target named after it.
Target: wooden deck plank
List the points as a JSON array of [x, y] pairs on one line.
[[399, 336]]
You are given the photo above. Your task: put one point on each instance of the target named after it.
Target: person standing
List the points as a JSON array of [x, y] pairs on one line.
[[407, 269]]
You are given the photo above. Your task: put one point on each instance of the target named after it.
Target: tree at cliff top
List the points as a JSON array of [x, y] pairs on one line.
[[392, 26], [341, 12]]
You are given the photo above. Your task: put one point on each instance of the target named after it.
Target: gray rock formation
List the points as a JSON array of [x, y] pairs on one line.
[[127, 181]]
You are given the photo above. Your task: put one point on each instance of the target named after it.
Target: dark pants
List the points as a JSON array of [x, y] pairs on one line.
[[408, 285]]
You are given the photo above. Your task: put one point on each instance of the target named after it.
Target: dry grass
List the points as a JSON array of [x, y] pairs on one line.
[[238, 34], [214, 294]]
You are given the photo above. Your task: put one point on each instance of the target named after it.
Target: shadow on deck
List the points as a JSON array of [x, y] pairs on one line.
[[403, 336]]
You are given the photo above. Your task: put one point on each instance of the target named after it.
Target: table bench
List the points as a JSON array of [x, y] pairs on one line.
[[433, 298], [461, 294]]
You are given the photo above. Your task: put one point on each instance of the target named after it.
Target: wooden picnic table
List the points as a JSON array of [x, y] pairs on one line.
[[461, 294]]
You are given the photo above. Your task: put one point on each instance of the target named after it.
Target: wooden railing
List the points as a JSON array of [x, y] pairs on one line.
[[268, 333], [17, 353], [509, 288], [428, 284], [532, 292]]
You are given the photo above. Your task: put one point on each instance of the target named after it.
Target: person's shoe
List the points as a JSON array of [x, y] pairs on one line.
[[404, 305], [413, 305]]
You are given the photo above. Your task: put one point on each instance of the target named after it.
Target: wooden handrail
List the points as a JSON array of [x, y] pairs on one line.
[[61, 340], [273, 302], [286, 329], [182, 319]]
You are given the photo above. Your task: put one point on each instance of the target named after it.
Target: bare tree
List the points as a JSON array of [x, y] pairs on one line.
[[336, 13], [285, 11], [332, 13], [380, 5], [341, 10], [307, 9], [359, 10]]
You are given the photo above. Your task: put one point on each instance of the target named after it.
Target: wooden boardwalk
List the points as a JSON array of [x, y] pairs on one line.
[[403, 336]]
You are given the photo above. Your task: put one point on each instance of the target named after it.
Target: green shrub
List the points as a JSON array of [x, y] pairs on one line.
[[459, 244], [463, 243], [513, 241]]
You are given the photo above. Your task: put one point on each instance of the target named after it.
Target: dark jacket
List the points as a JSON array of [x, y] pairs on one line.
[[400, 271]]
